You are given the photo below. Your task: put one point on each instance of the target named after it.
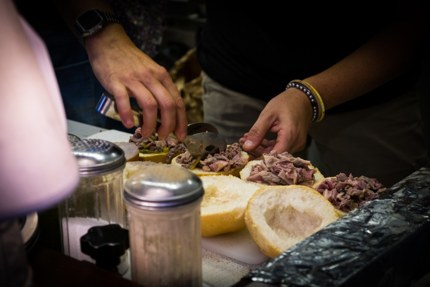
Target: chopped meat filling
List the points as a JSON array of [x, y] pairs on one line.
[[282, 169], [347, 192], [153, 144], [224, 161]]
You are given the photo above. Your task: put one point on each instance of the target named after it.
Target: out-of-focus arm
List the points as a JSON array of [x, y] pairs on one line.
[[37, 167]]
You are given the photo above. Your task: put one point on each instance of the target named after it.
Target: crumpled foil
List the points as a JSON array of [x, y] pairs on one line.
[[352, 249]]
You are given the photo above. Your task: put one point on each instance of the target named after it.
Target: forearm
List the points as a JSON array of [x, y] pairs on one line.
[[384, 57]]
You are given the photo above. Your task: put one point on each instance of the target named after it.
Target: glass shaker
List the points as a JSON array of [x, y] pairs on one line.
[[163, 204], [98, 199]]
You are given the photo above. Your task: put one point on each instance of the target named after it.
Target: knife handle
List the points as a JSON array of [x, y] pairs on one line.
[[106, 106]]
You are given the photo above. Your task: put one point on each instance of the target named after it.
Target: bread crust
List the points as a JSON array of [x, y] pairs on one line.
[[279, 217], [131, 151], [224, 203], [154, 157]]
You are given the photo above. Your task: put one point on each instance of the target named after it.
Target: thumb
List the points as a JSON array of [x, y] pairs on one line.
[[253, 138]]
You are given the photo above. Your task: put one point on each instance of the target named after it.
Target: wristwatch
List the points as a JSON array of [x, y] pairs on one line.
[[92, 21]]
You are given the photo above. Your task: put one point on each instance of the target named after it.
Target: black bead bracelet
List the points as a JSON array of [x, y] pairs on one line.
[[318, 110]]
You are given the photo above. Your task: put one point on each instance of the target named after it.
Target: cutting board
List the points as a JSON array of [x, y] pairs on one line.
[[112, 136], [237, 245]]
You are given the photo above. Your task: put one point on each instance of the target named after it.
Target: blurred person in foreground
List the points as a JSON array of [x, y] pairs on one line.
[[343, 88], [37, 167], [117, 58]]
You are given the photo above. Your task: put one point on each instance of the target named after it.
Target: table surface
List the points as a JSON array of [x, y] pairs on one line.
[[218, 269], [222, 270], [82, 130]]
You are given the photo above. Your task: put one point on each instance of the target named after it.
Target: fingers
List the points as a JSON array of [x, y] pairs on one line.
[[282, 143], [287, 116], [123, 107], [158, 97], [125, 71], [179, 110], [255, 136], [288, 136], [266, 146], [149, 107], [181, 120], [167, 102]]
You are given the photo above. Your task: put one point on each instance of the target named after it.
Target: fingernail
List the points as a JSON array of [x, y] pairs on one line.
[[248, 143], [129, 123]]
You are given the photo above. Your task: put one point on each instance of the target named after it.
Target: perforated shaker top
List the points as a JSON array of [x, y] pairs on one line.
[[96, 156]]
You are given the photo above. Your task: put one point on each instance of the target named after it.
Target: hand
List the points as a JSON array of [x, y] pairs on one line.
[[288, 115], [125, 71]]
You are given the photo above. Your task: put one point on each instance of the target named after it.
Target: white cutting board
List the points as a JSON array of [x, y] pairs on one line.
[[237, 245], [112, 136]]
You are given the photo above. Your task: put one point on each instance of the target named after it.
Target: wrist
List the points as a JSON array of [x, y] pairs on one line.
[[317, 104], [93, 21], [107, 37]]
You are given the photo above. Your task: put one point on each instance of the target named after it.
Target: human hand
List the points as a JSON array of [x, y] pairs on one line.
[[288, 115], [125, 71]]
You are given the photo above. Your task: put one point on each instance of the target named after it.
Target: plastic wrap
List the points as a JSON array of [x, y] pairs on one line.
[[383, 242]]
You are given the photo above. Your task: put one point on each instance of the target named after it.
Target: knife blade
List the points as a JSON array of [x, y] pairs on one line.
[[205, 143]]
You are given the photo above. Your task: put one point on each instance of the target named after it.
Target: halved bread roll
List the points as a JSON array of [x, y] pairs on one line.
[[134, 167], [154, 157], [131, 151], [278, 217], [224, 203]]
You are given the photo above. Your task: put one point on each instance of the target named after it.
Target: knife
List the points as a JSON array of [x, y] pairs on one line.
[[106, 106]]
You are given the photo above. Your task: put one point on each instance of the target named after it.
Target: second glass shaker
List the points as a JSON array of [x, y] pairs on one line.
[[163, 204]]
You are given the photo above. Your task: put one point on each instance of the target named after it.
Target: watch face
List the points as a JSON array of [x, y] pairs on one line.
[[89, 20]]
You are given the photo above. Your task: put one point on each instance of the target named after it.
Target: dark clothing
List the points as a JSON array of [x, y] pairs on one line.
[[249, 51], [79, 87], [258, 55]]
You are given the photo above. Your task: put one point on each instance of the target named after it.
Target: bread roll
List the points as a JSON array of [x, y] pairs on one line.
[[134, 167], [278, 217], [131, 151], [224, 202]]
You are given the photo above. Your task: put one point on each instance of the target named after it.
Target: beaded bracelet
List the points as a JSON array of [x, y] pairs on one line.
[[319, 100], [317, 104]]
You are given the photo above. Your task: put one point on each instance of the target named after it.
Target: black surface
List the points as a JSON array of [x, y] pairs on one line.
[[384, 243]]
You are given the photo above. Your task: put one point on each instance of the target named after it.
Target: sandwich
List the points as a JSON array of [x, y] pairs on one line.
[[227, 162], [281, 169], [155, 149]]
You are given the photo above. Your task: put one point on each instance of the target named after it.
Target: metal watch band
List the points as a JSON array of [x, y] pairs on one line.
[[110, 17], [92, 21]]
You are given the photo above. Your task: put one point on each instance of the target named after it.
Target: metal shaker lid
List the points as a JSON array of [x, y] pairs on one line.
[[161, 186], [96, 156]]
